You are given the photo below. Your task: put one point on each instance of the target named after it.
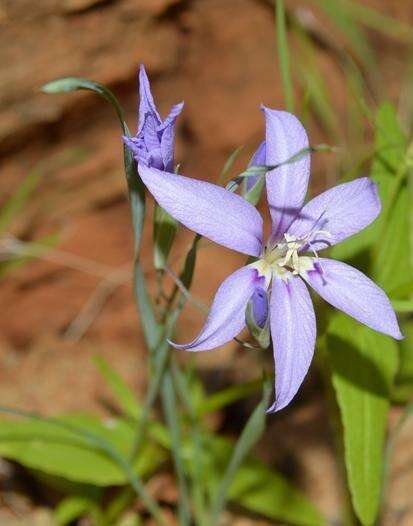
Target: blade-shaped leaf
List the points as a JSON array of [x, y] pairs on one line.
[[363, 367], [122, 392], [43, 446]]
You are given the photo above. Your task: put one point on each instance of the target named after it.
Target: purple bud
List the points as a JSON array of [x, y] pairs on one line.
[[259, 301]]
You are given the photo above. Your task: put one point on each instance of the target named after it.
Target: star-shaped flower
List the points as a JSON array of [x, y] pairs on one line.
[[288, 261]]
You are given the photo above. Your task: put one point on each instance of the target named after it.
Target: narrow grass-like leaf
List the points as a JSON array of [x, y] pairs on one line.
[[228, 165], [348, 24], [227, 396], [253, 195], [363, 366], [67, 84], [283, 55], [261, 170], [122, 392], [374, 19]]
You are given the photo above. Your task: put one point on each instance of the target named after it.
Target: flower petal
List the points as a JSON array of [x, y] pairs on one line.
[[258, 159], [293, 331], [227, 315], [351, 291], [342, 211], [147, 104], [287, 185], [168, 137], [208, 209]]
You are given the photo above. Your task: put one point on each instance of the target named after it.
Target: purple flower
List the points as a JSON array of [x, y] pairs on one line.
[[289, 261], [153, 145]]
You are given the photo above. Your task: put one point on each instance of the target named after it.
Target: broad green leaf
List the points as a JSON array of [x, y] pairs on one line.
[[46, 447], [122, 392], [404, 305], [43, 446], [165, 227], [262, 491], [363, 364], [391, 267]]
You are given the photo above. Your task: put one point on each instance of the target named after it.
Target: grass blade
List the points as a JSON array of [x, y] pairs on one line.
[[249, 436], [283, 55]]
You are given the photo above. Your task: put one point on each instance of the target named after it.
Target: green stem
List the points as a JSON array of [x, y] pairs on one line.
[[172, 420], [198, 486]]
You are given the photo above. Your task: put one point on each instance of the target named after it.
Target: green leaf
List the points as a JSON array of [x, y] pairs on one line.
[[348, 23], [72, 508], [262, 491], [67, 84], [283, 55], [374, 19], [43, 446], [228, 396], [228, 164], [170, 408], [404, 305], [391, 267], [403, 388], [165, 227], [363, 364], [122, 392], [253, 194]]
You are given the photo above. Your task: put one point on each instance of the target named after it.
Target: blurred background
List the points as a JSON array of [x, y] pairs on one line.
[[62, 157]]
